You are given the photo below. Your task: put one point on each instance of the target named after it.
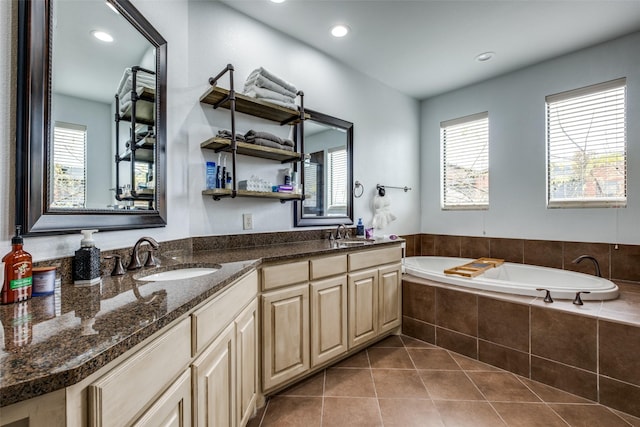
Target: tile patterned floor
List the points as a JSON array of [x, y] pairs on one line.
[[402, 381]]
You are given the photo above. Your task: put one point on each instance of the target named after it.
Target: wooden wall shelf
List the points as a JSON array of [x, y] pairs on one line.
[[226, 192], [222, 144]]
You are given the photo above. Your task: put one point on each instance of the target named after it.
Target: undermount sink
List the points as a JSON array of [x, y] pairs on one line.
[[353, 242], [178, 273]]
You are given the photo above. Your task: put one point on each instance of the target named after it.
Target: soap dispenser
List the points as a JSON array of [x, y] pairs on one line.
[[360, 229], [86, 263], [17, 267]]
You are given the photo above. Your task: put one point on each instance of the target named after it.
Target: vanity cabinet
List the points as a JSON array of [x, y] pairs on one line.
[[221, 97], [316, 310], [173, 408]]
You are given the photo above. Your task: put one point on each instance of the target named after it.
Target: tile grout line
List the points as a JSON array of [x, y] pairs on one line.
[[541, 399], [324, 382], [375, 389]]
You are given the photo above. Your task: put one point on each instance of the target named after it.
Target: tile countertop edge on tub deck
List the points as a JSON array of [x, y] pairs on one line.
[[94, 325]]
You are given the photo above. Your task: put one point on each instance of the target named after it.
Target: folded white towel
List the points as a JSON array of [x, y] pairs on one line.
[[259, 80], [382, 215], [260, 92], [142, 80], [261, 71]]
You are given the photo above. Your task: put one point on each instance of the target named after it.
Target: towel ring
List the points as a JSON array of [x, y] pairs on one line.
[[357, 185]]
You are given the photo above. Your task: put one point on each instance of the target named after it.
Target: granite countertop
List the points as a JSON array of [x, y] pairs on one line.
[[52, 342]]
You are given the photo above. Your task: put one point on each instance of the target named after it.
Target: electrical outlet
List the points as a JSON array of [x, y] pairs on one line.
[[247, 221]]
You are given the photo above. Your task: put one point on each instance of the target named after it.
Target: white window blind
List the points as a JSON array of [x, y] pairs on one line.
[[337, 169], [465, 162], [69, 165], [586, 147]]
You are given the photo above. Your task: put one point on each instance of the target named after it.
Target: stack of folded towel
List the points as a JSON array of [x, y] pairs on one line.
[[267, 139], [226, 134], [143, 80], [261, 84]]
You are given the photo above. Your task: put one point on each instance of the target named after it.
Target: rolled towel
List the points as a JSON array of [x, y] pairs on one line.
[[261, 71], [254, 134], [261, 93], [142, 80], [261, 81], [288, 105], [288, 143], [227, 135]]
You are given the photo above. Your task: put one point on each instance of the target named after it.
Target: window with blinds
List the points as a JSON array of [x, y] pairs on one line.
[[465, 162], [337, 179], [587, 147], [69, 166]]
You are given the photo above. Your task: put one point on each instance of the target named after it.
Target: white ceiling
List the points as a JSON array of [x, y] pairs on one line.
[[426, 47]]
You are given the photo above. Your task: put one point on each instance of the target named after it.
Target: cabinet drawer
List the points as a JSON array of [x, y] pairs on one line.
[[374, 258], [214, 316], [116, 398], [275, 276], [328, 266]]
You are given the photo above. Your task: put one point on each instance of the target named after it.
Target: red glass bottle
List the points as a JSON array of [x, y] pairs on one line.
[[18, 271]]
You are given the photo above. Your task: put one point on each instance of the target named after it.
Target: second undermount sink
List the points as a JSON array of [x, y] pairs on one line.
[[178, 273]]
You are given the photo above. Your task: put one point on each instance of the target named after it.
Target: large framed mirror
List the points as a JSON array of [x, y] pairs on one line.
[[328, 172], [91, 117]]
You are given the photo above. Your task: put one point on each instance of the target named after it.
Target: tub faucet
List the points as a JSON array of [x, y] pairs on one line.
[[345, 234], [135, 264], [595, 263]]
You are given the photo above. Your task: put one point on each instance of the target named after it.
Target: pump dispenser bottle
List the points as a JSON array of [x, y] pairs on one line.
[[86, 263], [18, 267]]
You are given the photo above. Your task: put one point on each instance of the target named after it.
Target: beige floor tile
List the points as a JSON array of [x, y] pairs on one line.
[[389, 358], [358, 360], [502, 387], [519, 414], [293, 412], [468, 414], [351, 412], [313, 386], [588, 415], [349, 383], [450, 385], [398, 383], [409, 413]]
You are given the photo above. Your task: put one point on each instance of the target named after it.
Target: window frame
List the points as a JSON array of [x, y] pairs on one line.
[[572, 95], [447, 124]]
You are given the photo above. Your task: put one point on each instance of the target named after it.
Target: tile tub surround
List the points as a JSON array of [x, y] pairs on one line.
[[49, 351], [590, 351], [617, 262]]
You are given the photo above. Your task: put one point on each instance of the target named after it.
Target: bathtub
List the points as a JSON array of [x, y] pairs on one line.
[[518, 279]]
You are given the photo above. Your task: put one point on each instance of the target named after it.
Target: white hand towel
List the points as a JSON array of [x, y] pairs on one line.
[[382, 215]]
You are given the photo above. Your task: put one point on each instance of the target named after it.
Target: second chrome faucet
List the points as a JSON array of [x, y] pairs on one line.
[[151, 261]]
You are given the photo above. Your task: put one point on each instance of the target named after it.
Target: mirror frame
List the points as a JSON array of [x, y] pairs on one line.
[[299, 220], [34, 120]]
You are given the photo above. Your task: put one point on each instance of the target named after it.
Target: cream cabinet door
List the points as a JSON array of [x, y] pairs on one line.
[[173, 408], [213, 375], [363, 306], [285, 334], [246, 362], [328, 319], [389, 297]]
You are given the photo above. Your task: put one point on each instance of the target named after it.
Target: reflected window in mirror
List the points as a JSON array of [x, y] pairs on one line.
[[90, 142], [328, 172]]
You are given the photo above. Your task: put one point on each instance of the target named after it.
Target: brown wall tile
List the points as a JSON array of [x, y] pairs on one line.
[[624, 397], [625, 263], [543, 252], [419, 330], [474, 247], [573, 380], [419, 301], [619, 348], [459, 343], [510, 250], [447, 245], [600, 251], [567, 338], [457, 311], [506, 358], [410, 242], [428, 244], [504, 323]]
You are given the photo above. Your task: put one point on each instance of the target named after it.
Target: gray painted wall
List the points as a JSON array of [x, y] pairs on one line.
[[516, 106]]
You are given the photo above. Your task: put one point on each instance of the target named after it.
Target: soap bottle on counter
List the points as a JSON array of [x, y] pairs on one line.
[[18, 271], [86, 262], [360, 229]]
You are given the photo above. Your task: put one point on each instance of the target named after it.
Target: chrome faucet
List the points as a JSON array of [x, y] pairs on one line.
[[595, 263], [345, 234], [135, 264]]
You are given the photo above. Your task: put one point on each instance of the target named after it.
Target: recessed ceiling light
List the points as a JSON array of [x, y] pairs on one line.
[[102, 36], [485, 56], [339, 30], [112, 7], [277, 1]]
